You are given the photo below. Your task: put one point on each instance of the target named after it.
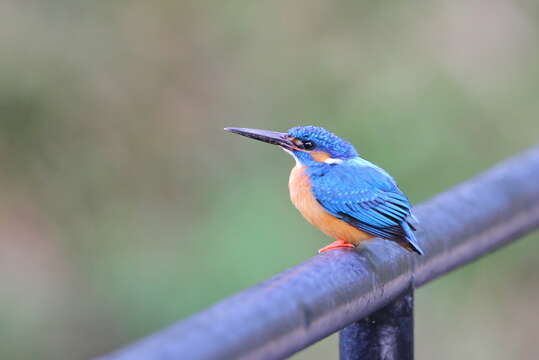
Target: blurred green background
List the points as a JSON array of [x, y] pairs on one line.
[[125, 207]]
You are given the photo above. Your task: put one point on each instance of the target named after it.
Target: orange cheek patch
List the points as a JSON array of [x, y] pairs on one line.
[[320, 156]]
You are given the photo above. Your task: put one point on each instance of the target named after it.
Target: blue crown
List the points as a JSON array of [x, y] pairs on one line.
[[325, 141]]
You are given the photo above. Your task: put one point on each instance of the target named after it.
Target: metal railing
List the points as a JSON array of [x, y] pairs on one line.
[[368, 292]]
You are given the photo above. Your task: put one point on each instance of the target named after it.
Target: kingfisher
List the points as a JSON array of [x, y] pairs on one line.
[[347, 197]]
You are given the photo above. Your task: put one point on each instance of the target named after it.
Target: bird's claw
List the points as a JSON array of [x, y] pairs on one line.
[[339, 244]]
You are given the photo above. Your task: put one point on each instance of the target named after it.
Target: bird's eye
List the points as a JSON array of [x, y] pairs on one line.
[[309, 145]]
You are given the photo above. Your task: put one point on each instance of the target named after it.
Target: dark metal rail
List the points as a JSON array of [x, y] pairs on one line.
[[304, 304]]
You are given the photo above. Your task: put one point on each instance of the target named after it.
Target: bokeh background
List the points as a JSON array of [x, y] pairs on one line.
[[125, 207]]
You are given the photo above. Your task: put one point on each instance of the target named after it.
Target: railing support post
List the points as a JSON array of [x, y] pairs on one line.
[[387, 334]]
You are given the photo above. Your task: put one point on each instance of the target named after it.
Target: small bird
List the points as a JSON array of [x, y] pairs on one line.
[[347, 197]]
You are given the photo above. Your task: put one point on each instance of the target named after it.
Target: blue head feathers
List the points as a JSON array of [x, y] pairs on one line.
[[319, 145]]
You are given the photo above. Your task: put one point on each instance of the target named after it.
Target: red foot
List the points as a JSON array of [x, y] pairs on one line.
[[339, 244]]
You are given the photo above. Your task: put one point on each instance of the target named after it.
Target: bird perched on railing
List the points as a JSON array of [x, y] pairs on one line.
[[347, 197]]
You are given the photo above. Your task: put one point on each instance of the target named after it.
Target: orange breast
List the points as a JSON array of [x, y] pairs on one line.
[[302, 197]]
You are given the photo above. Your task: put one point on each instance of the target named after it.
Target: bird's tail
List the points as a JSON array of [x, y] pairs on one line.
[[409, 242]]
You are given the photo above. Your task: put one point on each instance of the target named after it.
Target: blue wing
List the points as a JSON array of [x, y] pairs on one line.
[[366, 197]]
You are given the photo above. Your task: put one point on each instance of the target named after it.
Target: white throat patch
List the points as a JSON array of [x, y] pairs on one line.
[[333, 161]]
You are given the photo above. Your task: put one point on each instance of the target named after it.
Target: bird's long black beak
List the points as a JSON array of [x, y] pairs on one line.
[[270, 137]]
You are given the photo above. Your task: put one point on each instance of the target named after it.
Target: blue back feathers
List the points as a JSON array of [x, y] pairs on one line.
[[365, 196]]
